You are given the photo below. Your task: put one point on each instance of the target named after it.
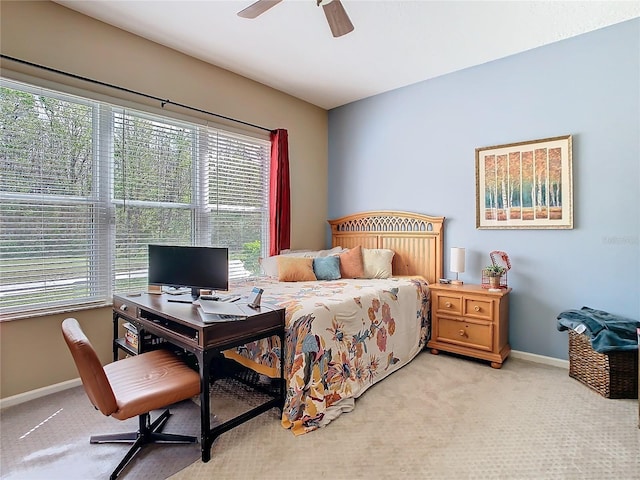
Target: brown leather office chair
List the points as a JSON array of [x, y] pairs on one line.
[[132, 387]]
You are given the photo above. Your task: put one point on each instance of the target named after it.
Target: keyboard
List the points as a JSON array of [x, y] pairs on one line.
[[209, 297], [221, 298]]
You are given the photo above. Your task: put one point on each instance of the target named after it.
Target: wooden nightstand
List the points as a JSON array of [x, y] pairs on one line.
[[470, 320]]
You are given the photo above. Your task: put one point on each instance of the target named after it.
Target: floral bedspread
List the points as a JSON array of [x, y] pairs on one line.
[[341, 337]]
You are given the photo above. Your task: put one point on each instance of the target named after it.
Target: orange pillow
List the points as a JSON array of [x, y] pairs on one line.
[[295, 269], [351, 264]]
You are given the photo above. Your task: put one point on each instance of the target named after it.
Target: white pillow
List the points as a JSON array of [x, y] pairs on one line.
[[270, 264], [331, 251], [377, 262]]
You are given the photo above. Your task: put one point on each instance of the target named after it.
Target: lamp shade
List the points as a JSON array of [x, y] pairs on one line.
[[456, 260]]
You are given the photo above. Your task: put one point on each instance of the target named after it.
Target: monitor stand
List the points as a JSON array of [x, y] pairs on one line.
[[195, 293]]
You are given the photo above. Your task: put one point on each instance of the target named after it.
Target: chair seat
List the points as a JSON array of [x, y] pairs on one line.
[[150, 381]]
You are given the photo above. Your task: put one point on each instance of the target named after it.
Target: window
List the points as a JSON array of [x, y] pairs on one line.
[[87, 185]]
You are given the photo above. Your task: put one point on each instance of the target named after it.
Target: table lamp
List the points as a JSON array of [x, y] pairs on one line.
[[456, 263]]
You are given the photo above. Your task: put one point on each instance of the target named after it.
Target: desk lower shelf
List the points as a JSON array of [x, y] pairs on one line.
[[122, 344]]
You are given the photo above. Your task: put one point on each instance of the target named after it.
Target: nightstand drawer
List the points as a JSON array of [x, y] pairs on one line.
[[449, 304], [478, 308], [471, 334]]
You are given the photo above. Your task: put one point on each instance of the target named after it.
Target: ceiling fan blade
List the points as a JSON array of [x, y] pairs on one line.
[[337, 18], [257, 8]]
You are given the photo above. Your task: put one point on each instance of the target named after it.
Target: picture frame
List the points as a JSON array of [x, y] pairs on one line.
[[525, 185]]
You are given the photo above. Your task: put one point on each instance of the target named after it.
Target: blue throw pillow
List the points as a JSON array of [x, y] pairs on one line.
[[327, 268]]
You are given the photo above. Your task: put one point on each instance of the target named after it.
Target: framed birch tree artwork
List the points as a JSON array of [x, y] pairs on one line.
[[525, 185]]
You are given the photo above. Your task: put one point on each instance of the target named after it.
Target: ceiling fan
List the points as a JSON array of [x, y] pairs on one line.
[[334, 11]]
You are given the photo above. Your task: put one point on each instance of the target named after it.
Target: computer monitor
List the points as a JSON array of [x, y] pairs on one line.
[[193, 267]]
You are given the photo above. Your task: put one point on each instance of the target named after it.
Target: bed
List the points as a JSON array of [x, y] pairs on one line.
[[344, 335]]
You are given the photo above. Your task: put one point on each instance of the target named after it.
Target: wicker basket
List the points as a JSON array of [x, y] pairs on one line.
[[612, 375]]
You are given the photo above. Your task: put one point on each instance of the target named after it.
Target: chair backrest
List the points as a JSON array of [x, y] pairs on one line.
[[94, 379]]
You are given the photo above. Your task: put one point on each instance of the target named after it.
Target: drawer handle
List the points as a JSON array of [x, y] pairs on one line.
[[447, 304], [461, 333], [476, 308], [123, 307]]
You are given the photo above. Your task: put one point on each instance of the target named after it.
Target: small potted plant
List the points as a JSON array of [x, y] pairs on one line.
[[494, 272]]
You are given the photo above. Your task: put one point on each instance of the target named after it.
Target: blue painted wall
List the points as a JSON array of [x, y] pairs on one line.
[[414, 149]]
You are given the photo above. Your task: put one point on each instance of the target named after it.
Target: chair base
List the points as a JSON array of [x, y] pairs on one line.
[[146, 434]]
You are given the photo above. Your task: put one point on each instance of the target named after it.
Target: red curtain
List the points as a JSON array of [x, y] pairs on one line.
[[279, 195]]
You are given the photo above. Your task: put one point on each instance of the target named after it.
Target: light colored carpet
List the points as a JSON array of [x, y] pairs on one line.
[[48, 438], [440, 417], [445, 417]]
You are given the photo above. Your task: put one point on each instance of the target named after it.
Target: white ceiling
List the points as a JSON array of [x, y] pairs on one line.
[[395, 42]]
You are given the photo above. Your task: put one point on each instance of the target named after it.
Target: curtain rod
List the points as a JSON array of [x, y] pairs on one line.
[[162, 101]]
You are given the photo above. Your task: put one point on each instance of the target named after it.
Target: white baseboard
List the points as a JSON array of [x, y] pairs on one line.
[[532, 357], [37, 393], [58, 387]]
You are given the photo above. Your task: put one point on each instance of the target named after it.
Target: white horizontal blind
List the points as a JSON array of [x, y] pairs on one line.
[[237, 203], [86, 186], [153, 190], [51, 217]]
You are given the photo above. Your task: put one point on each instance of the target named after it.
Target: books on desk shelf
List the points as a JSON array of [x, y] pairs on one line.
[[131, 334], [130, 327]]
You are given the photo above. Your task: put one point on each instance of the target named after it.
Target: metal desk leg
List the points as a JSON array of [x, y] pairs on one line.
[[204, 359], [115, 336]]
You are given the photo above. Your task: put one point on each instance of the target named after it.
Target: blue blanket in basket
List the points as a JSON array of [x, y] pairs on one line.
[[607, 332]]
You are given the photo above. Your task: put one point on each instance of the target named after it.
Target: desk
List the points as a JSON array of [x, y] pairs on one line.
[[180, 325]]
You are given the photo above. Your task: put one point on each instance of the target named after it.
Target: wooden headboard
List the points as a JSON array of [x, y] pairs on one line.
[[416, 239]]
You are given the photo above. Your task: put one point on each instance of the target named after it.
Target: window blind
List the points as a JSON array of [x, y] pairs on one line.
[[87, 185], [153, 190], [237, 221], [52, 218]]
